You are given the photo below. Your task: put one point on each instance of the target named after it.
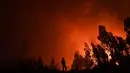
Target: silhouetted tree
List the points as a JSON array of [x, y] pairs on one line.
[[40, 63], [117, 50], [127, 29], [52, 64], [103, 55], [96, 53], [103, 35], [88, 60], [78, 62]]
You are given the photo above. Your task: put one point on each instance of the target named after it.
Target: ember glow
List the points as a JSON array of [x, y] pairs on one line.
[[57, 28], [117, 63], [109, 55], [77, 35]]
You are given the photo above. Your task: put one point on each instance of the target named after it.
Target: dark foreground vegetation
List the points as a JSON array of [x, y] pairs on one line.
[[112, 55]]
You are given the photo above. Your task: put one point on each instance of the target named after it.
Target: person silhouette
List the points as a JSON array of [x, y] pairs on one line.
[[64, 68]]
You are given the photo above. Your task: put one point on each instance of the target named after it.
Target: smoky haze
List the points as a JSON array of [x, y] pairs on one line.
[[56, 28]]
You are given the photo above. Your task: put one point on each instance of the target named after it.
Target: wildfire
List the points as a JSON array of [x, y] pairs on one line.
[[117, 63], [124, 53], [109, 55]]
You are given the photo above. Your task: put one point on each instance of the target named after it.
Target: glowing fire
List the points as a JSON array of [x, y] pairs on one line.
[[117, 63], [124, 53], [109, 55], [94, 61]]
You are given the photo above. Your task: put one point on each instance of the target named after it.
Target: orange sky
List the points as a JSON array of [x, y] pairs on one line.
[[57, 28], [72, 35], [77, 32]]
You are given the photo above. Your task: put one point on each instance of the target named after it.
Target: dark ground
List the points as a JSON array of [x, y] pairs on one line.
[[101, 69]]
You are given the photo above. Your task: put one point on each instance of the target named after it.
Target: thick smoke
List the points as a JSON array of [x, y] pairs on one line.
[[56, 28]]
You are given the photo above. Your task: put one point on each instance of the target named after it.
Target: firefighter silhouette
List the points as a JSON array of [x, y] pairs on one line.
[[64, 68]]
